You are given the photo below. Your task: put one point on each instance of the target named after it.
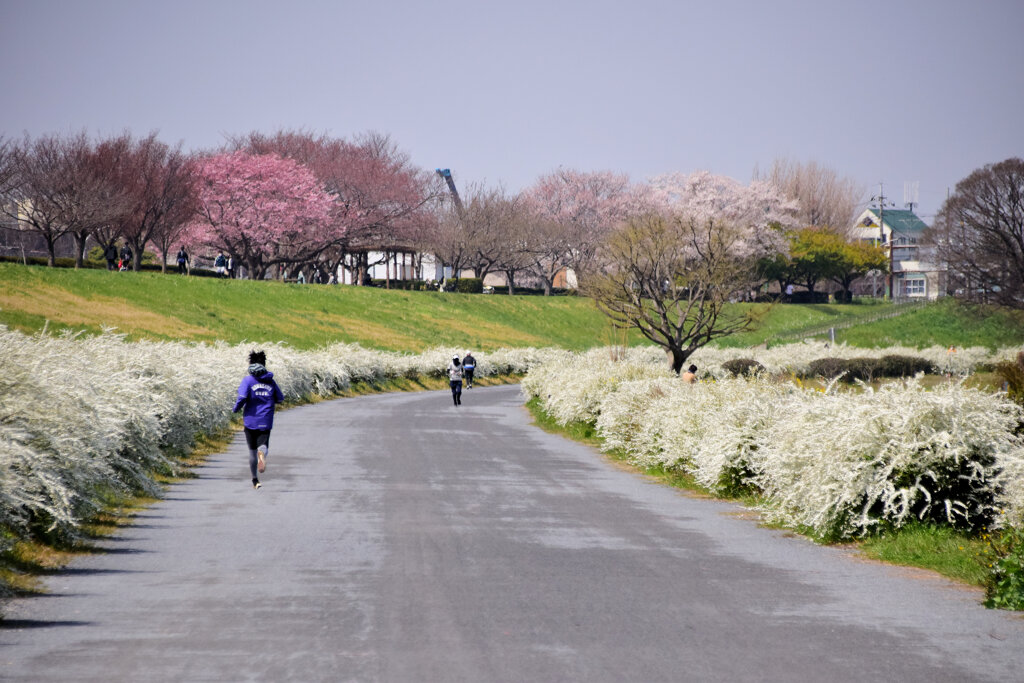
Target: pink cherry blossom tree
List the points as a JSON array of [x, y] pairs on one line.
[[577, 211], [758, 214], [261, 208], [380, 199]]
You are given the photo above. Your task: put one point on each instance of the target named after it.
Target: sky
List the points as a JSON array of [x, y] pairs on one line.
[[887, 92]]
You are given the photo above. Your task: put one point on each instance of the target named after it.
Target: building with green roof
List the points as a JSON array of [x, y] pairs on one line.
[[916, 275]]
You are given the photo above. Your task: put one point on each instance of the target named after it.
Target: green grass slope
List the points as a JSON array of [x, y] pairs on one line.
[[151, 305], [946, 322], [156, 306]]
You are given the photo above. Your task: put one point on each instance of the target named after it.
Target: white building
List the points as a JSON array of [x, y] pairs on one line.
[[916, 275]]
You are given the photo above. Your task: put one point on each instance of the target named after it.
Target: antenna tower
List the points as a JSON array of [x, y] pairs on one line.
[[910, 193]]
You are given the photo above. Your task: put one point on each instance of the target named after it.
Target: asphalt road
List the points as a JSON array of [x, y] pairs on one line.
[[399, 538]]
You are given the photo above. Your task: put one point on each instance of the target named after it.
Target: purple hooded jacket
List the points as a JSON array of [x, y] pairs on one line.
[[258, 392]]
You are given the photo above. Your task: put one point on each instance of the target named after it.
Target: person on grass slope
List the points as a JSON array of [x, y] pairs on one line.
[[257, 395]]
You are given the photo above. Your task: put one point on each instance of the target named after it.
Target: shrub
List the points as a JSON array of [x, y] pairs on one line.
[[804, 297], [742, 366], [829, 368], [1004, 587], [894, 365], [84, 416], [863, 369], [1012, 374], [836, 462], [468, 285]]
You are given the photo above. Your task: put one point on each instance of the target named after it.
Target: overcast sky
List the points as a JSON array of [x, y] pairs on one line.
[[890, 91]]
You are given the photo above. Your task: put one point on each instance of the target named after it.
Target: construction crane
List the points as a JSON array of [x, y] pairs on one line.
[[446, 173]]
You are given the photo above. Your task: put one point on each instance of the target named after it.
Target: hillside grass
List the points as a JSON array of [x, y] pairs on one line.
[[946, 322], [151, 305], [173, 307]]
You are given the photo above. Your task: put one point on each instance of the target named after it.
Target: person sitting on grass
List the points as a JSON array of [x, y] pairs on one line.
[[690, 376]]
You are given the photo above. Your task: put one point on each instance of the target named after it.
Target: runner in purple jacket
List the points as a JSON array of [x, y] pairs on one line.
[[257, 394]]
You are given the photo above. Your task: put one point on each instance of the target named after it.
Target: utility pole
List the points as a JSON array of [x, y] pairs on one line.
[[889, 278]]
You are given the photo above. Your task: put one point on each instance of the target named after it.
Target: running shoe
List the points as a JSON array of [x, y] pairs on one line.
[[256, 483], [262, 466]]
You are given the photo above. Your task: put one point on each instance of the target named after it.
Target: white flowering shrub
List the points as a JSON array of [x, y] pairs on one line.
[[796, 358], [889, 456], [840, 462], [80, 416], [570, 389]]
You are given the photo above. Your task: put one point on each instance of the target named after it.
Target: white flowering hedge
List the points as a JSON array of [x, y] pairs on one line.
[[80, 416], [839, 462], [796, 358]]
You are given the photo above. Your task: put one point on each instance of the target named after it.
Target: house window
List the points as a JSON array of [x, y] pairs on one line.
[[914, 286]]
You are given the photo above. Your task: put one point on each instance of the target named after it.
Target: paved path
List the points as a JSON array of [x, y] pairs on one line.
[[398, 538]]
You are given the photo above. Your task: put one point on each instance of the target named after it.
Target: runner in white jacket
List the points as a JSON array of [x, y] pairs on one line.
[[455, 379]]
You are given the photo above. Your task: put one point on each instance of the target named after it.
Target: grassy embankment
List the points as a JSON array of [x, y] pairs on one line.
[[172, 307]]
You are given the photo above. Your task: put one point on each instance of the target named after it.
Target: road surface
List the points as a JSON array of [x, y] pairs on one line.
[[399, 538]]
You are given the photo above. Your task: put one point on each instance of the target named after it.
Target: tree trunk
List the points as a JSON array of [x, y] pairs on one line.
[[679, 357], [51, 251], [510, 276], [136, 255], [80, 241]]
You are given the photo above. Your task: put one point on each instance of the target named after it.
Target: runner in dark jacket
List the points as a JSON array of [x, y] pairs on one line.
[[468, 367], [257, 395]]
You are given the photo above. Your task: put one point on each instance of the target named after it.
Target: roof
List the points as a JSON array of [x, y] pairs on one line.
[[902, 221]]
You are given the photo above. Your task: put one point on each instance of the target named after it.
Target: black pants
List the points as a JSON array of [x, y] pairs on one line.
[[255, 438], [468, 374], [456, 391]]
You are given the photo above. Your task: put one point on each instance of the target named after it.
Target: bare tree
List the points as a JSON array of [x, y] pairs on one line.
[[826, 199], [100, 198], [7, 167], [671, 278], [979, 235], [545, 245], [449, 240], [55, 189], [158, 181]]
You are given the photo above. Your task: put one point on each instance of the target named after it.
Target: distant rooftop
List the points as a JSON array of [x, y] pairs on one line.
[[900, 220]]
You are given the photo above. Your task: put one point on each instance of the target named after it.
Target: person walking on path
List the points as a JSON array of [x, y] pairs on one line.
[[468, 366], [257, 395], [220, 264], [182, 261], [455, 379]]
